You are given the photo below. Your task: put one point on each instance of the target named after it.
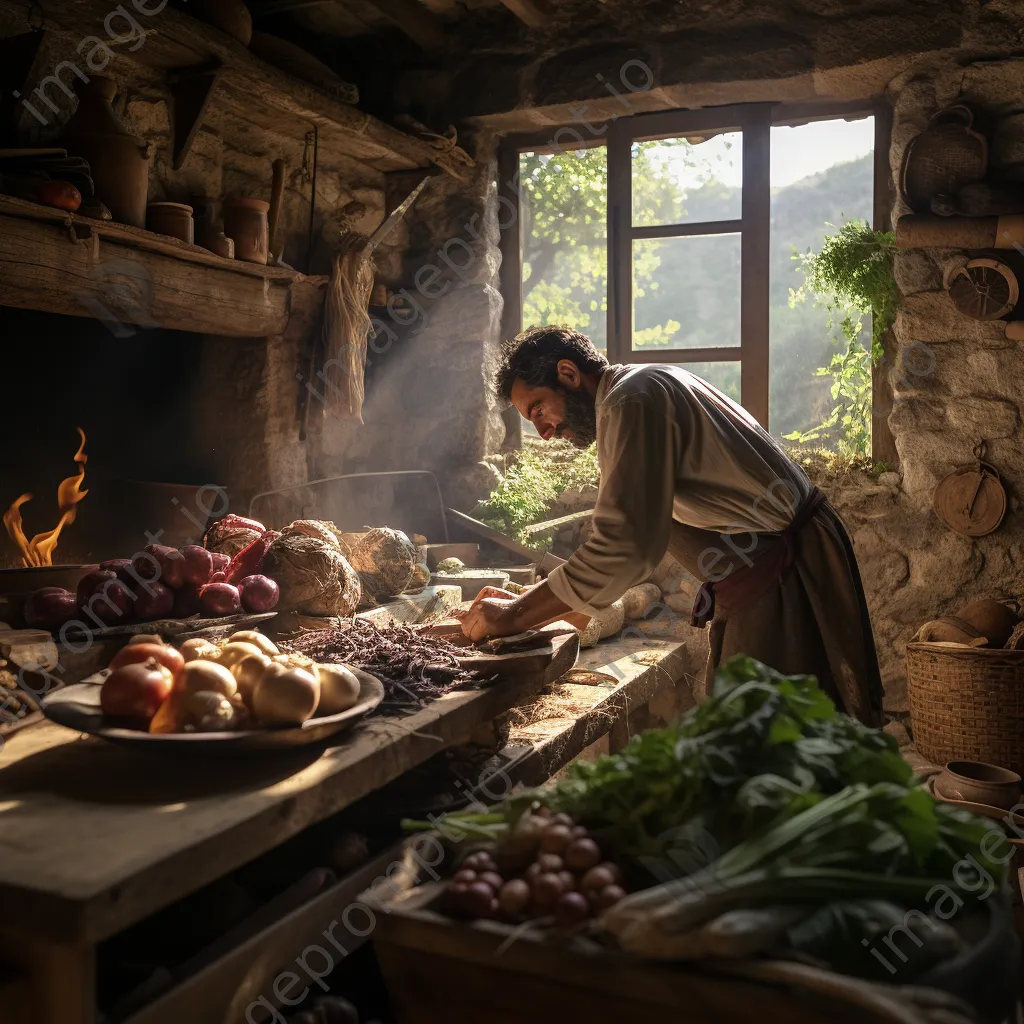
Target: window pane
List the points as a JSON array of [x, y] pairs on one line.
[[565, 240], [822, 175], [686, 292], [723, 376], [680, 180]]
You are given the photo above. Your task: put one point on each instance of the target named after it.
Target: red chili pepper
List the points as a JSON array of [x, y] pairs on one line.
[[248, 561]]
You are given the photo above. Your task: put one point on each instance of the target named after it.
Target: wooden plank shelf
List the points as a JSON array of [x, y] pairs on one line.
[[59, 262], [176, 42]]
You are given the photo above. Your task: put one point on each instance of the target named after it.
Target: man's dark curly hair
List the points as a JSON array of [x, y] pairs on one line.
[[533, 358]]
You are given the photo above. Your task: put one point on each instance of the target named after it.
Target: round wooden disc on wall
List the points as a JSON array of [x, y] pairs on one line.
[[984, 289], [971, 500]]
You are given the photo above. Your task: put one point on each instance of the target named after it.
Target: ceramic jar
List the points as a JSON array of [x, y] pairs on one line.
[[118, 160], [174, 219], [246, 223], [208, 232], [979, 783], [230, 16]]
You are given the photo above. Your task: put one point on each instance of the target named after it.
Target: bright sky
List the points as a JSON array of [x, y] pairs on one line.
[[796, 152]]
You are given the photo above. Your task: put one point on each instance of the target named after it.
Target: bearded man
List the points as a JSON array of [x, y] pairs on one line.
[[684, 469]]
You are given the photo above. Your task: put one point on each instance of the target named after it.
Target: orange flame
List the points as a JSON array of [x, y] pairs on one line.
[[39, 550]]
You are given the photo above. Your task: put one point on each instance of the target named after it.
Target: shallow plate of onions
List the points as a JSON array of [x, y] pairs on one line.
[[78, 707]]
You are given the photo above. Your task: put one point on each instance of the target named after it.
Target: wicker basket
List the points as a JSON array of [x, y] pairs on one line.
[[967, 704]]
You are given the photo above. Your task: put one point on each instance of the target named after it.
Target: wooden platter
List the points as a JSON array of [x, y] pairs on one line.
[[78, 707], [554, 653]]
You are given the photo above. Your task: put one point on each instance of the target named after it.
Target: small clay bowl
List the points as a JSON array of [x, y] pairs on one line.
[[980, 783]]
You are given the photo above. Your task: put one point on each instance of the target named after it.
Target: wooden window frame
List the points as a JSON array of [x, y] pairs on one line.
[[755, 121]]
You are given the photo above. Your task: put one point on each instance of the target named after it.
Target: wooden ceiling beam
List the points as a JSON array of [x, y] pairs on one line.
[[534, 13], [414, 20]]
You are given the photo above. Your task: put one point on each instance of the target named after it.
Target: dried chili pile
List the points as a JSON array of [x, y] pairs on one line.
[[412, 666]]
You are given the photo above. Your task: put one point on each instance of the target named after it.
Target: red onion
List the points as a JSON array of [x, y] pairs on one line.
[[121, 567], [258, 593], [92, 581], [198, 566], [218, 599], [104, 598], [49, 608], [155, 601], [172, 564]]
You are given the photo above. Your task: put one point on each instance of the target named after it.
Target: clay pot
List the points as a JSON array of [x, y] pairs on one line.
[[230, 16], [246, 223], [980, 783], [208, 233], [119, 161], [174, 219]]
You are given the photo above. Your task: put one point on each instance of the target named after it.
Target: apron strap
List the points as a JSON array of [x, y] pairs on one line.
[[745, 585]]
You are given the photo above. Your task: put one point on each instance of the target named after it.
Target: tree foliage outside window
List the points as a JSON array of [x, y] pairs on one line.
[[565, 235]]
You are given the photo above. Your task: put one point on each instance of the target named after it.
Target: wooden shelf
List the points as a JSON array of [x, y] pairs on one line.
[[58, 262], [249, 87]]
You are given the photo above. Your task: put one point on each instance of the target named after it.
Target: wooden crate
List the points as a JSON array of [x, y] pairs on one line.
[[440, 970]]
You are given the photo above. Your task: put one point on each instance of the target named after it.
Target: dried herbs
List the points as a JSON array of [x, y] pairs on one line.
[[413, 667]]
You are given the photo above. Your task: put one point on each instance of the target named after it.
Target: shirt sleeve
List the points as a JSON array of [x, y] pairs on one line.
[[639, 444]]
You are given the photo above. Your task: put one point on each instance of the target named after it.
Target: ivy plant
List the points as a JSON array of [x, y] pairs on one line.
[[852, 278]]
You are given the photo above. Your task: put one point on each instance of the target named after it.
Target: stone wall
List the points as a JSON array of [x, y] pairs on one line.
[[957, 382], [428, 403]]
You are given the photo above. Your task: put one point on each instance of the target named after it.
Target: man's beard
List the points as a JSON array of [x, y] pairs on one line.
[[580, 417]]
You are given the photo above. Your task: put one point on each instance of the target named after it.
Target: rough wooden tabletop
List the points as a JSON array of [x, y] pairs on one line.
[[94, 837]]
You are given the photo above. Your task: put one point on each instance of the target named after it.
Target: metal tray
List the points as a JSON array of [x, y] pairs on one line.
[[78, 707]]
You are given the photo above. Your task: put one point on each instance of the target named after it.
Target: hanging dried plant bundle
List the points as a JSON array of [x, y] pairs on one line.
[[347, 326]]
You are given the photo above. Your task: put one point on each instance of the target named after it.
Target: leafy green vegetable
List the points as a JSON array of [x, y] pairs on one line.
[[763, 746], [885, 840]]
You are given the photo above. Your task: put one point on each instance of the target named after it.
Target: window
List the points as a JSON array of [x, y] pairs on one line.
[[700, 213]]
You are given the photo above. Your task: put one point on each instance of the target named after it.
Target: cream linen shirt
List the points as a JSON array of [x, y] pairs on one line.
[[670, 446]]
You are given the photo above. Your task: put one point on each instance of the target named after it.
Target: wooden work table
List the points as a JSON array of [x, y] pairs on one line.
[[94, 837]]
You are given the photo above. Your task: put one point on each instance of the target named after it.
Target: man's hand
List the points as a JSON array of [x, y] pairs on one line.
[[498, 613], [491, 614]]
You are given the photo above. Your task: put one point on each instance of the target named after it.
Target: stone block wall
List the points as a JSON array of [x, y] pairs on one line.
[[428, 403], [957, 383]]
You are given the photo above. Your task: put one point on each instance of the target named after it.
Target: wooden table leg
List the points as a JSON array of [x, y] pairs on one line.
[[63, 978]]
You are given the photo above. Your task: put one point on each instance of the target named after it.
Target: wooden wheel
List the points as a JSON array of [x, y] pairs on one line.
[[984, 289]]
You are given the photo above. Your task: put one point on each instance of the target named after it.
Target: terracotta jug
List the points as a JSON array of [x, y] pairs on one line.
[[245, 221], [119, 161]]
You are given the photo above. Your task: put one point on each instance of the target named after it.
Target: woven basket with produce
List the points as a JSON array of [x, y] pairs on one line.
[[762, 826]]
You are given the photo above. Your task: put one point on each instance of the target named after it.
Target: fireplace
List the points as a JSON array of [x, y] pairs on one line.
[[138, 395]]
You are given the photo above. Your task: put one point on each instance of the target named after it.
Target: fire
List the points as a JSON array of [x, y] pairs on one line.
[[39, 550]]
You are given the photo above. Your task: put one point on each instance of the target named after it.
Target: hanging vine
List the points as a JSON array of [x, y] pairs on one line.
[[852, 278]]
